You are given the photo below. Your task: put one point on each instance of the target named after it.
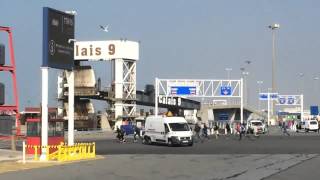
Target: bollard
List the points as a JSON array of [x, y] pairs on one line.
[[47, 152], [94, 149], [13, 140], [24, 152], [36, 153]]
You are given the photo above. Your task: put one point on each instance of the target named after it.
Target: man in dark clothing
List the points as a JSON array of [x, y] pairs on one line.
[[205, 131], [242, 130], [228, 128], [120, 134], [197, 129], [136, 133], [284, 129]]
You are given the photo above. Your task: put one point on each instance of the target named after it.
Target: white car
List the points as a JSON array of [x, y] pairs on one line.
[[311, 125]]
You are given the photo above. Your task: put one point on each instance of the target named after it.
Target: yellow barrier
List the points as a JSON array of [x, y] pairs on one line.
[[64, 152]]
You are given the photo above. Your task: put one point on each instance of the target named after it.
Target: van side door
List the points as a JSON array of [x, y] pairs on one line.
[[166, 132]]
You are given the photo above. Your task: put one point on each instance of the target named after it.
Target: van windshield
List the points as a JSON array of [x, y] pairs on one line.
[[313, 122], [179, 126], [256, 123]]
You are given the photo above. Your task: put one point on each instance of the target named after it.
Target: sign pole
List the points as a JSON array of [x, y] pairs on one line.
[[301, 106], [241, 103], [156, 111], [268, 108], [44, 112], [71, 109]]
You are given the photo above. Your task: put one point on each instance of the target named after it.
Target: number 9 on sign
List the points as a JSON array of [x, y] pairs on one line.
[[112, 49]]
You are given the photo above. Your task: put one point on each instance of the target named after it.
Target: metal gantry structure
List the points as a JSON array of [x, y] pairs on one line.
[[124, 81], [199, 88], [13, 108], [291, 100], [123, 55]]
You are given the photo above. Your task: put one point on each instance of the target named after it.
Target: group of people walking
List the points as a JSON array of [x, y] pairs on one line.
[[121, 134], [240, 130]]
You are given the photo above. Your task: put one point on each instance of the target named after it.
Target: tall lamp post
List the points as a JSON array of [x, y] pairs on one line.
[[245, 74], [228, 72], [273, 28], [316, 78], [259, 91], [301, 75]]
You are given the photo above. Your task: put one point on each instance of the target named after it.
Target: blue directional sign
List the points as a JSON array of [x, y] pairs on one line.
[[314, 110], [264, 96], [225, 91], [183, 90]]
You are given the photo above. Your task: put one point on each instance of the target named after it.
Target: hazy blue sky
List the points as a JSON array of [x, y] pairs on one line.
[[181, 39]]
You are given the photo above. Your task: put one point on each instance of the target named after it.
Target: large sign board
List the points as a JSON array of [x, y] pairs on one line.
[[58, 30], [106, 50], [183, 90], [314, 110]]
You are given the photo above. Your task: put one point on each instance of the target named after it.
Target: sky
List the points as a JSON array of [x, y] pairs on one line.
[[180, 39]]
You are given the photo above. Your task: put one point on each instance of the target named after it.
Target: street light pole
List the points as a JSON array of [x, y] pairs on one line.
[[301, 82], [228, 72], [273, 27], [245, 74], [316, 78], [259, 91]]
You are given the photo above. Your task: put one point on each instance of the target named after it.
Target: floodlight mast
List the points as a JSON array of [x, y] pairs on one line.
[[273, 27]]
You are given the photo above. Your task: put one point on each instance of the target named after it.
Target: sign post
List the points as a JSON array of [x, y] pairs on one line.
[[58, 29]]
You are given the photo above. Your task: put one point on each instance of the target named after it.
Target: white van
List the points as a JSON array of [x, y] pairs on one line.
[[311, 125], [256, 126], [167, 130]]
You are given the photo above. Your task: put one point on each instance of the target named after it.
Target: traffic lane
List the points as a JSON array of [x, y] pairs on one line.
[[223, 145], [304, 170], [173, 167]]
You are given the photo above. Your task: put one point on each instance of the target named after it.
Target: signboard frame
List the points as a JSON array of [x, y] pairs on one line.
[[58, 30]]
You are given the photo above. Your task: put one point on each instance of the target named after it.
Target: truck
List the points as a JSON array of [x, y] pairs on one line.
[[167, 130]]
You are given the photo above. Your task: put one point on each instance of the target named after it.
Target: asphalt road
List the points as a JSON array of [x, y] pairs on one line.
[[309, 144], [266, 157]]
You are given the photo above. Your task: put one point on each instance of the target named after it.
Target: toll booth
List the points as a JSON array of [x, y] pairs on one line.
[[55, 133]]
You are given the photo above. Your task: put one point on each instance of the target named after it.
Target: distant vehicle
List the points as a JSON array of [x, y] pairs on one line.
[[256, 125], [307, 125], [167, 130], [311, 125]]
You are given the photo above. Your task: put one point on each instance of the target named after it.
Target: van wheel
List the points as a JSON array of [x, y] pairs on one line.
[[146, 140], [170, 143], [190, 144]]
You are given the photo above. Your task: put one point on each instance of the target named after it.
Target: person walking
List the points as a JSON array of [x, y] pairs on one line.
[[205, 131], [136, 133], [216, 130], [120, 135], [228, 129], [284, 129], [197, 130], [242, 130]]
